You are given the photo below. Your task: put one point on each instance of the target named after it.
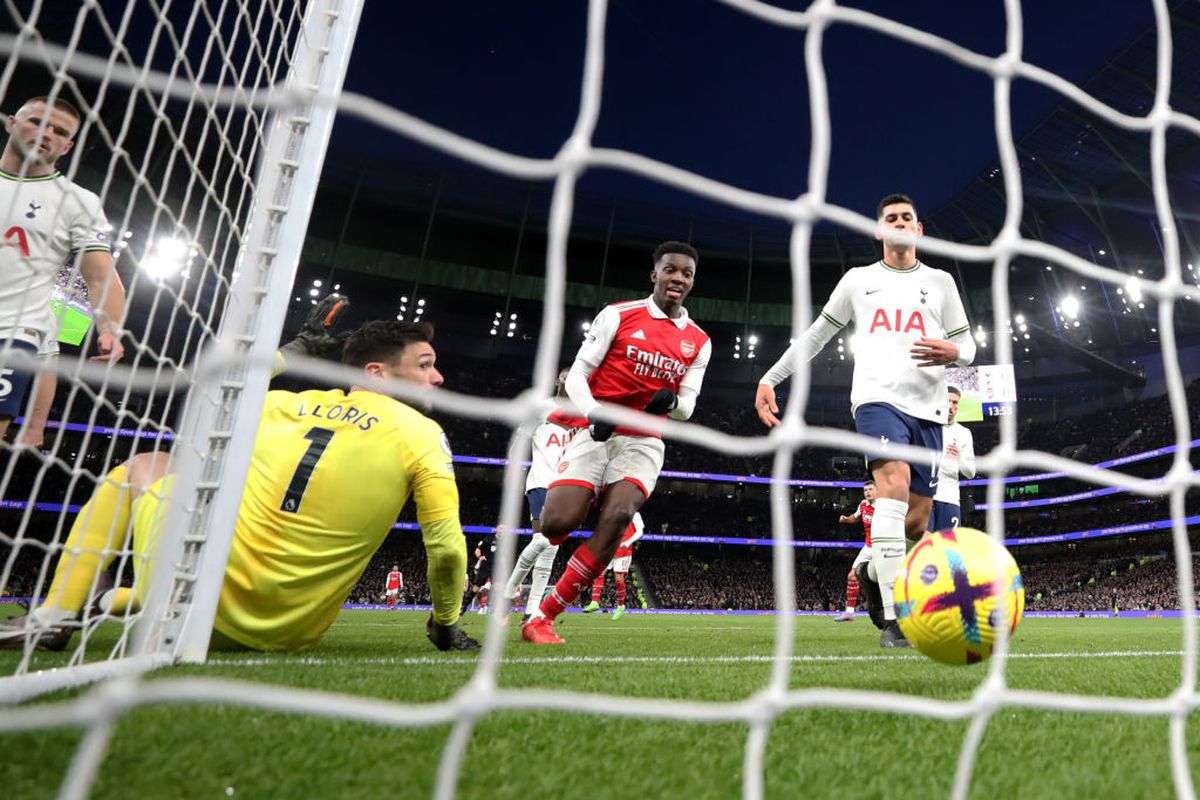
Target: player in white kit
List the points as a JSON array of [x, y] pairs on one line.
[[958, 458], [549, 441], [910, 323], [48, 221]]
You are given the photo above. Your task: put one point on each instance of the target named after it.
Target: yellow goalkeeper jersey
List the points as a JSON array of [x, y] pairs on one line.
[[329, 475]]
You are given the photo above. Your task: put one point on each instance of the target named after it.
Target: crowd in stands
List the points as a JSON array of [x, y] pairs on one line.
[[734, 577]]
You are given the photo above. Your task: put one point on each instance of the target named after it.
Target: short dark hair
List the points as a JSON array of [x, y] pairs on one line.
[[683, 248], [891, 200], [62, 104], [383, 340], [868, 482], [954, 389]]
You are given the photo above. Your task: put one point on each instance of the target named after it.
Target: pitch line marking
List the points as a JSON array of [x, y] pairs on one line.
[[436, 661]]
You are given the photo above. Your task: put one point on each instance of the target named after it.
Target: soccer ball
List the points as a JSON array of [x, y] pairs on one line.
[[946, 599]]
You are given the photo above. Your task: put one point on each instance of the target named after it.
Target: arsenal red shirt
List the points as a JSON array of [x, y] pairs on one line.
[[632, 350], [866, 511], [632, 533]]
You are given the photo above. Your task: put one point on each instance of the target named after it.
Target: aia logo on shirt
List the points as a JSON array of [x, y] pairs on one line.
[[881, 320], [15, 237]]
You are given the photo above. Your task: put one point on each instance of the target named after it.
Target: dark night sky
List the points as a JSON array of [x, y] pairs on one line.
[[707, 88]]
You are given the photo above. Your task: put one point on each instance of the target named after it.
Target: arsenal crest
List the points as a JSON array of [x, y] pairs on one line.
[[687, 348]]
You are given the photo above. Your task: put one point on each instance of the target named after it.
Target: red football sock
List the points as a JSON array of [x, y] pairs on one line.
[[598, 588], [852, 591], [620, 593], [581, 570]]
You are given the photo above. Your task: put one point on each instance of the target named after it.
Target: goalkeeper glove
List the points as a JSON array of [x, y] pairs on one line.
[[316, 337], [663, 402], [602, 431]]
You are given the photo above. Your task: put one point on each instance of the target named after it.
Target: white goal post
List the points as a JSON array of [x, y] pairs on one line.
[[280, 163]]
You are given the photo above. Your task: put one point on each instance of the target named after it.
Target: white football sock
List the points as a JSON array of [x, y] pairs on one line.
[[887, 549], [541, 575], [529, 554]]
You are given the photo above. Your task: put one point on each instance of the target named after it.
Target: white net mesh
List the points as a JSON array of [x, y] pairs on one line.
[[178, 175], [97, 710]]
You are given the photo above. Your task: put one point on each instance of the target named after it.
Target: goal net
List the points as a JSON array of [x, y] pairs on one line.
[[203, 133], [212, 158]]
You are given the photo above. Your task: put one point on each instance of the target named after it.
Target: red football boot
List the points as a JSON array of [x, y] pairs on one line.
[[540, 630]]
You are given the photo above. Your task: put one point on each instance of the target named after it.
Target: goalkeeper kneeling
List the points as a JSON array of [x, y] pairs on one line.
[[329, 473]]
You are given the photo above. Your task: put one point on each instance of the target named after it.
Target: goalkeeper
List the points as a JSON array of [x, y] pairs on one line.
[[328, 476]]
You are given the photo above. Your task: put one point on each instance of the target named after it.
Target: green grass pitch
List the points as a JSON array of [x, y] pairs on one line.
[[207, 751]]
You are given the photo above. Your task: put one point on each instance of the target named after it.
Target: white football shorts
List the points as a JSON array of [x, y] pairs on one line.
[[593, 464]]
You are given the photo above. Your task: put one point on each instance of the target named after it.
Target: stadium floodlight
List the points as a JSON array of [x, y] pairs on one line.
[[1134, 289], [421, 301], [403, 298], [1102, 252], [317, 283], [314, 292], [753, 340], [587, 326], [1070, 306], [166, 258], [493, 331]]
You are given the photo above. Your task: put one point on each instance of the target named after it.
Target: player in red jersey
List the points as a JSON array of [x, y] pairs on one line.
[[620, 568], [395, 583], [864, 512], [646, 355]]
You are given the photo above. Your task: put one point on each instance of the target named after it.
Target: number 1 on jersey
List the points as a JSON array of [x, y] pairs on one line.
[[319, 439]]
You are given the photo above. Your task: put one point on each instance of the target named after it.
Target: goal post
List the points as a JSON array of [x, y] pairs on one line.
[[214, 229], [219, 427]]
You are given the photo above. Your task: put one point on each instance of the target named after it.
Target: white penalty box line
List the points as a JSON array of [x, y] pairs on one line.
[[474, 702]]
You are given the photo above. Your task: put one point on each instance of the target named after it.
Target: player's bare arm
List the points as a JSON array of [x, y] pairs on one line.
[[108, 297]]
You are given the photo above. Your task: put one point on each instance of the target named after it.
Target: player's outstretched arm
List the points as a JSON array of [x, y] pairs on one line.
[[107, 294], [802, 350], [833, 318]]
